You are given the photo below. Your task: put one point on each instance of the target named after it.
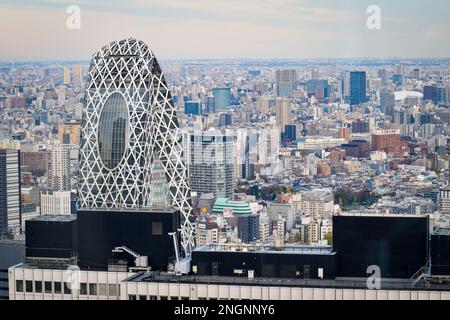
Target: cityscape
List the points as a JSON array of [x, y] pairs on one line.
[[130, 175]]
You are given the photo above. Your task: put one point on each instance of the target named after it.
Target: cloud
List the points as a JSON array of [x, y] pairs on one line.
[[215, 29]]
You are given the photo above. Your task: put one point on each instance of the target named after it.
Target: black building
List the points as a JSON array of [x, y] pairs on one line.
[[440, 252], [288, 262], [11, 253], [397, 244], [146, 232], [89, 238], [248, 227]]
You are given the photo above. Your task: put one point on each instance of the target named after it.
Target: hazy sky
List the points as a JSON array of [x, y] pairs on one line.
[[36, 29]]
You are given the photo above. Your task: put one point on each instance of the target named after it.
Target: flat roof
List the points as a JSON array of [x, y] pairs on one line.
[[56, 218], [344, 283], [442, 231], [381, 215], [265, 248], [162, 210]]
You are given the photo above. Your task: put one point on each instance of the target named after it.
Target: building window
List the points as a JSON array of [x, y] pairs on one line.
[[113, 290], [29, 286], [19, 285], [57, 287], [67, 290], [153, 298], [83, 288], [38, 287], [162, 298], [48, 287], [174, 298], [102, 289], [157, 228], [184, 298], [92, 289], [131, 297], [142, 297]]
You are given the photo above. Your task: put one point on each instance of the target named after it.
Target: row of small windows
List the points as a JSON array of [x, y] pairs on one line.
[[58, 288], [143, 297]]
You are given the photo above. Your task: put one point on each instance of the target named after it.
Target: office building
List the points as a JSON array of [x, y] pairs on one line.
[[444, 200], [192, 108], [222, 99], [430, 93], [387, 103], [286, 82], [58, 166], [77, 75], [211, 163], [10, 208], [282, 112], [358, 87], [67, 76], [69, 133], [397, 244], [55, 202]]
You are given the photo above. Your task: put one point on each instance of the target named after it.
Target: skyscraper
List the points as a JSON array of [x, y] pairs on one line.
[[387, 103], [10, 210], [358, 87], [129, 124], [77, 75], [67, 75], [286, 82], [58, 166], [222, 99], [382, 74], [211, 165], [282, 112]]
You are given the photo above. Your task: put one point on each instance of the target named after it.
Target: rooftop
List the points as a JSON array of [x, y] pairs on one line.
[[56, 218], [264, 248], [344, 283]]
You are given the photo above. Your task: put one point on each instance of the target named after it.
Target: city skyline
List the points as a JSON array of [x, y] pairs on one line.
[[218, 29]]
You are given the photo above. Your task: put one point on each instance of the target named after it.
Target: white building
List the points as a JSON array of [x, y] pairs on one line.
[[58, 166], [56, 202]]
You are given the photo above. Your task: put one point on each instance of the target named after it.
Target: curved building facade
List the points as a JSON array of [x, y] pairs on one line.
[[129, 124]]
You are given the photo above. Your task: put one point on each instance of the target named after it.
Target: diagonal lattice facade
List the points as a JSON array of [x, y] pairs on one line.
[[129, 123]]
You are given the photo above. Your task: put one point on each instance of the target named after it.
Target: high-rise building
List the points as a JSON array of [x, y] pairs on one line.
[[10, 209], [387, 103], [58, 166], [69, 133], [430, 94], [222, 99], [67, 75], [444, 201], [129, 124], [193, 108], [211, 165], [358, 87], [282, 112], [55, 202], [77, 75], [286, 81], [382, 74], [319, 88]]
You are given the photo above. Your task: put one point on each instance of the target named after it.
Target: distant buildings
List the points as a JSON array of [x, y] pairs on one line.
[[387, 103]]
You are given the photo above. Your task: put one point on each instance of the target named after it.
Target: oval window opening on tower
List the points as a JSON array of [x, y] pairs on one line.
[[113, 130]]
